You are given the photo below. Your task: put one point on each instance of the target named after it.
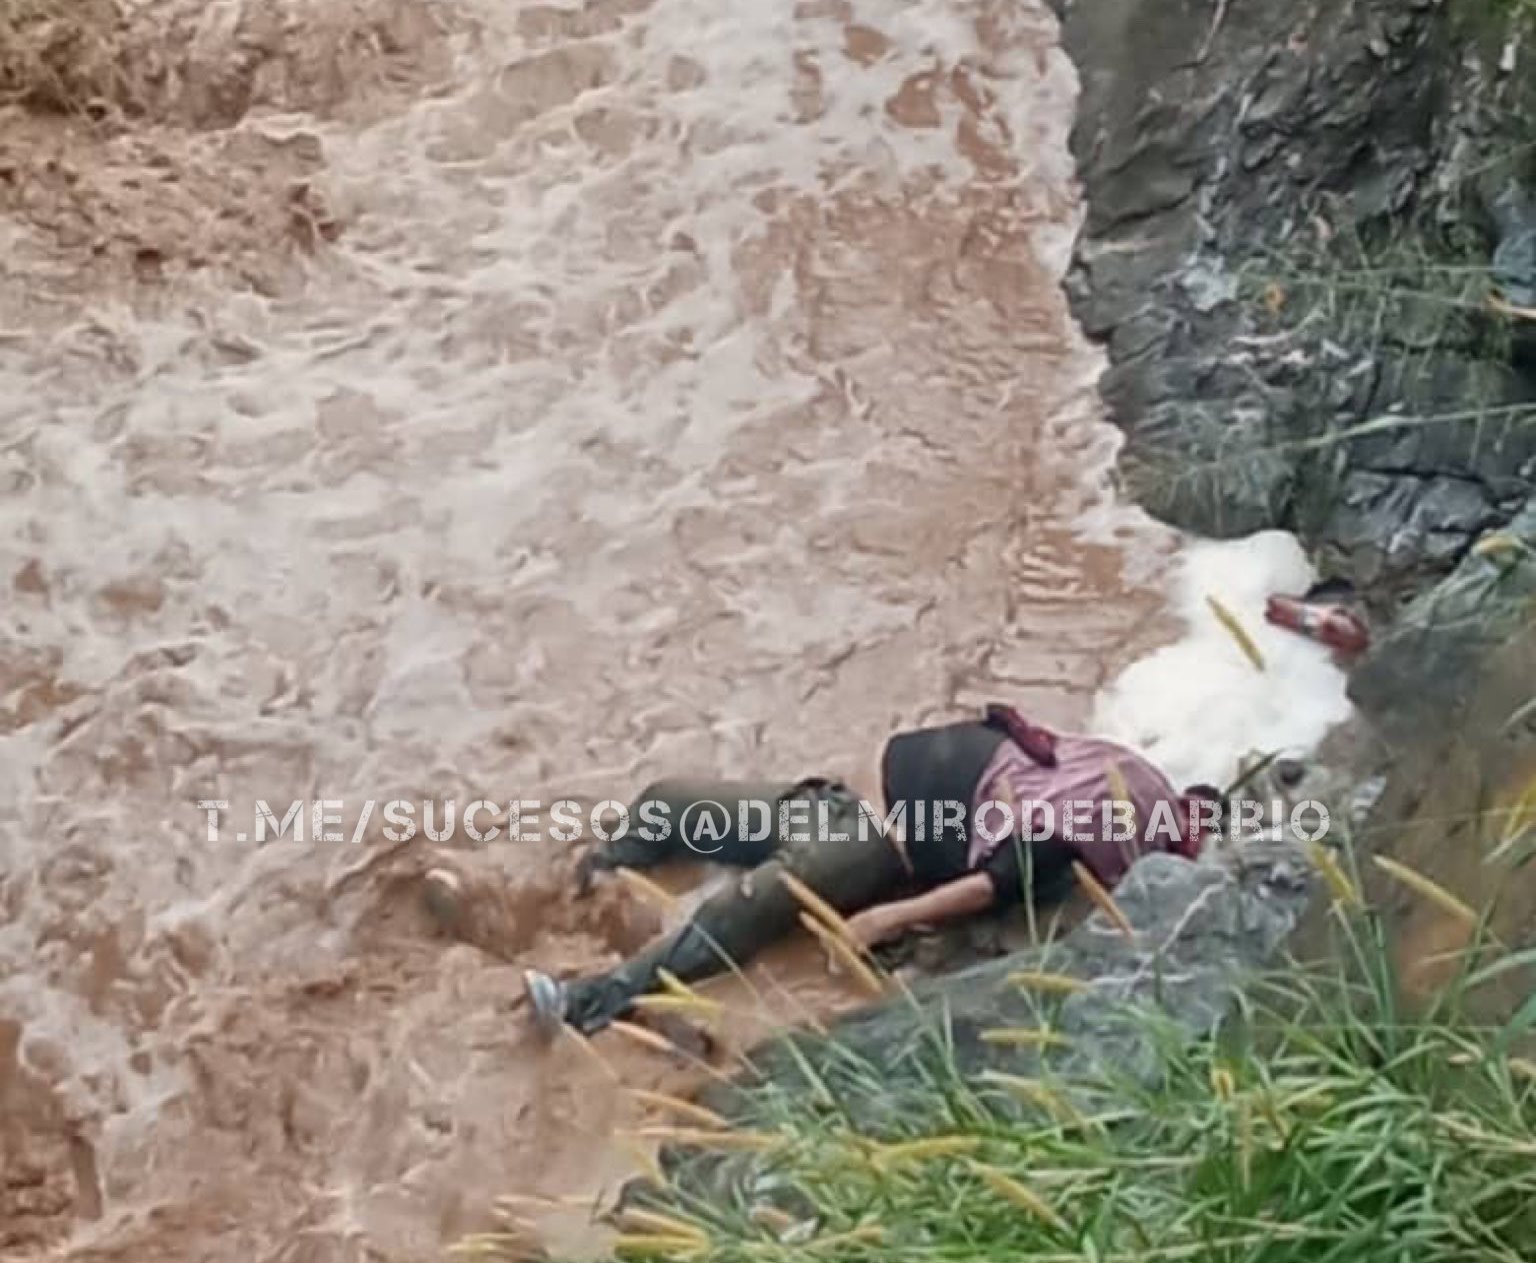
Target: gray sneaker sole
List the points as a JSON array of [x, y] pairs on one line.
[[546, 997]]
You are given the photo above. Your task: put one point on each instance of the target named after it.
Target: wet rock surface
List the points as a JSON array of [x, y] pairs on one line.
[[1197, 928], [1296, 216], [1425, 674]]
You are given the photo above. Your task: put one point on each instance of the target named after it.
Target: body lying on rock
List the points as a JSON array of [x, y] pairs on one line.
[[977, 819]]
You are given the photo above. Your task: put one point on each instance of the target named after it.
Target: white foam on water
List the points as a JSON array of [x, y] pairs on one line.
[[1199, 705]]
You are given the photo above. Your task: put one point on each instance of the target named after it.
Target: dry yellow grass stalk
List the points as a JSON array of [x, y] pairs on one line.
[[646, 1038], [1504, 1144], [674, 985], [1343, 889], [646, 1161], [703, 1138], [1429, 889], [512, 1247], [1122, 793], [1056, 984], [586, 1046], [1022, 1037], [1499, 546], [1036, 1093], [1008, 1188], [696, 1114], [821, 910], [650, 1244], [1519, 819], [846, 955], [1506, 308], [692, 1006], [864, 1234], [929, 1147], [1237, 631], [1102, 899], [657, 1224], [544, 1201]]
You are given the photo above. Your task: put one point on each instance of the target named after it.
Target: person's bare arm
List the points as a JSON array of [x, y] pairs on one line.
[[968, 895]]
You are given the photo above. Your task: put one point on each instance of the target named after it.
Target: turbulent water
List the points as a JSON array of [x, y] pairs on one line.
[[673, 385]]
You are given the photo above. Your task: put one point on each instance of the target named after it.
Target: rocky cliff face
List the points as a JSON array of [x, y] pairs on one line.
[[1296, 213], [1307, 227]]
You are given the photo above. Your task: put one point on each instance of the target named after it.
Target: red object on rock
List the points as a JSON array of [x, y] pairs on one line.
[[1332, 625]]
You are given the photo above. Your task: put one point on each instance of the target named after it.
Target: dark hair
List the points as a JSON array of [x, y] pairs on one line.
[[1207, 793], [1193, 840]]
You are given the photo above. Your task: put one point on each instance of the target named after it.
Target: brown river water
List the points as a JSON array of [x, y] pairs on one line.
[[490, 400]]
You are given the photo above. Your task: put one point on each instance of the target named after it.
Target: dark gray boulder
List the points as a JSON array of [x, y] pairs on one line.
[[1420, 678]]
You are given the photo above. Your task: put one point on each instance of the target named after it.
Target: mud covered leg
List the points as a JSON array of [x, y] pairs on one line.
[[748, 915], [666, 818]]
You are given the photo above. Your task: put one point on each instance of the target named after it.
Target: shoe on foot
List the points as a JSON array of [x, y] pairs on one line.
[[442, 890], [547, 998]]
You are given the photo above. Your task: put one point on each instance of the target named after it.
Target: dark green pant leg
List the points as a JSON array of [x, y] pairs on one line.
[[655, 835], [757, 909]]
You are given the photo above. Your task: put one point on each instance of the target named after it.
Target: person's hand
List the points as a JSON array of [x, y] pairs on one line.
[[876, 925]]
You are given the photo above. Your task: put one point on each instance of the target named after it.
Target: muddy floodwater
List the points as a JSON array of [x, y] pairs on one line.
[[635, 388]]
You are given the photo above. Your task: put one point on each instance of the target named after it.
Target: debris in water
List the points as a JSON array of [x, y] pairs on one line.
[[1332, 625]]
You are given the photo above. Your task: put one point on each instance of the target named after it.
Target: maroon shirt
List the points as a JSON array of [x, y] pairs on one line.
[[1087, 770]]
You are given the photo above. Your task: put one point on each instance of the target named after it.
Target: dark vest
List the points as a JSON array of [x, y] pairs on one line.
[[928, 766]]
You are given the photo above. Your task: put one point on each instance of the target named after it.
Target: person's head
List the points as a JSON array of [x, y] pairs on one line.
[[1203, 807]]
